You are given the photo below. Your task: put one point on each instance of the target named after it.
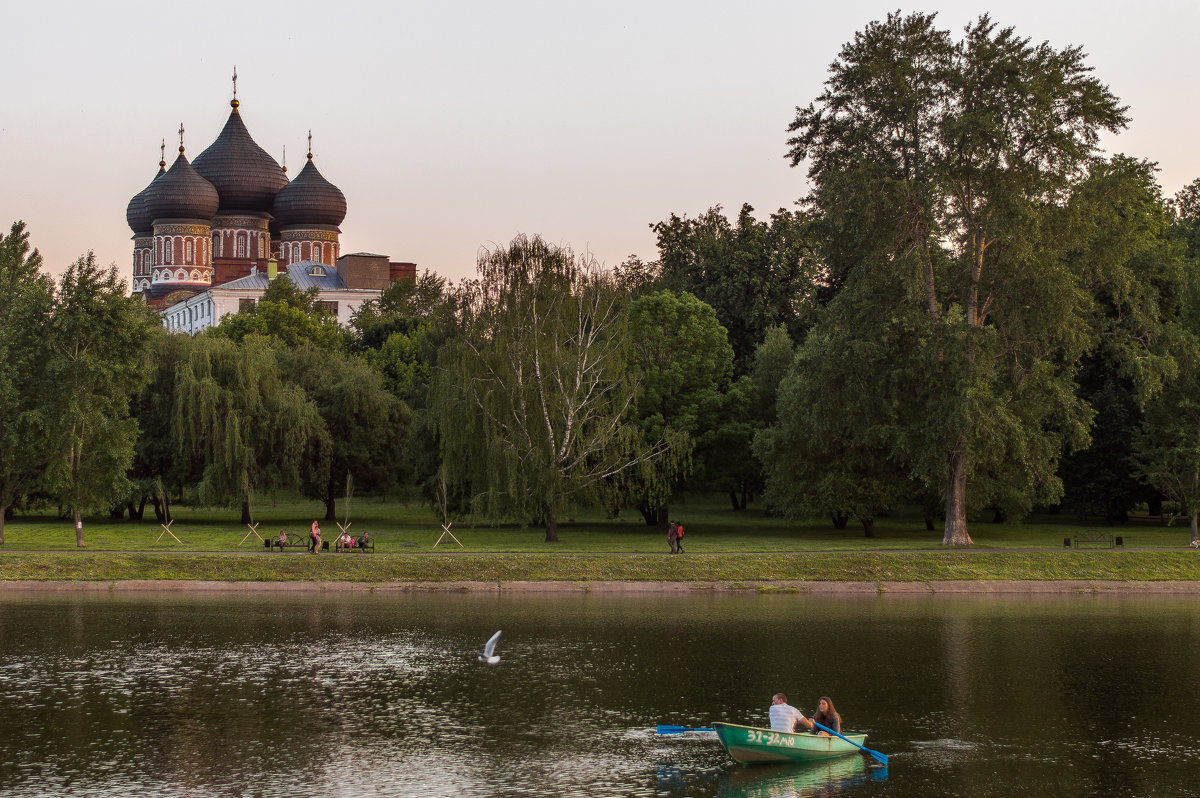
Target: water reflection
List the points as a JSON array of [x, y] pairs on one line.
[[802, 780], [353, 695]]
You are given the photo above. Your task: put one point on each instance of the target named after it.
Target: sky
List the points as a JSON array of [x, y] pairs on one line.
[[453, 126]]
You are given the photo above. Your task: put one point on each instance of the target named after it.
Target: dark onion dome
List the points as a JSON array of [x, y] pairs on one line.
[[246, 178], [181, 194], [310, 199], [135, 213]]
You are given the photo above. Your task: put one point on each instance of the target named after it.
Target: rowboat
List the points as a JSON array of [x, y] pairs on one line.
[[751, 745]]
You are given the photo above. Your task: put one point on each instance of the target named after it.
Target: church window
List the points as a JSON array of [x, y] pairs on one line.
[[216, 238], [190, 254], [241, 246], [166, 252]]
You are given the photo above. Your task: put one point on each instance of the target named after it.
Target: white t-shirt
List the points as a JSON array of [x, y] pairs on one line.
[[784, 717]]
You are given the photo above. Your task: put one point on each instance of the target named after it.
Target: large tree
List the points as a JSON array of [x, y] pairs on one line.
[[248, 428], [754, 274], [681, 356], [952, 161], [533, 398], [367, 426], [96, 338], [26, 298]]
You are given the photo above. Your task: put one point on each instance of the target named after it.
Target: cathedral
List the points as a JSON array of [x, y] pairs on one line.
[[232, 213]]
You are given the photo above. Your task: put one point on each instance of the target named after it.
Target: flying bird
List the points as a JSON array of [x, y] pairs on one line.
[[489, 654]]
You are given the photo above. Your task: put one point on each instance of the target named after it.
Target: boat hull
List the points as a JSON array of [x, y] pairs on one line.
[[751, 745]]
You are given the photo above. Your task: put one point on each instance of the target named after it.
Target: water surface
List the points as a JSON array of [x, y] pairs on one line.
[[363, 695]]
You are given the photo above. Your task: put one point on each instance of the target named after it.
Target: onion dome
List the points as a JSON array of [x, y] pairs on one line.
[[310, 199], [246, 178], [135, 213], [181, 194]]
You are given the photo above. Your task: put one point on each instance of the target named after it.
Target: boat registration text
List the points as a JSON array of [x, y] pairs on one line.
[[769, 738]]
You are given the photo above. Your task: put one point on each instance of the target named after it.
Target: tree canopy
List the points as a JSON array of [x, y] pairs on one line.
[[953, 161], [533, 398]]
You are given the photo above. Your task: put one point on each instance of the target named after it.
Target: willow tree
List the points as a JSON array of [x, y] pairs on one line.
[[247, 428], [26, 296], [949, 163], [95, 341], [533, 399]]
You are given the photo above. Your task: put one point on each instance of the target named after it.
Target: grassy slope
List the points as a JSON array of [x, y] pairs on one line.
[[723, 546]]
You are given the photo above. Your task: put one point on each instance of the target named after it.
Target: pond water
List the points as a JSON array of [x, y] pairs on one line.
[[304, 694]]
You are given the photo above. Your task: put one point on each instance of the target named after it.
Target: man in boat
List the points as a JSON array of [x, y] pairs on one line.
[[784, 716]]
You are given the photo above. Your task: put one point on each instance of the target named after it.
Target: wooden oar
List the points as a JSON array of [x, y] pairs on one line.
[[680, 729], [880, 758]]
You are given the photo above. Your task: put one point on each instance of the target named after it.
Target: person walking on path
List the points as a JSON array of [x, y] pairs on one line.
[[314, 538], [678, 538], [672, 535]]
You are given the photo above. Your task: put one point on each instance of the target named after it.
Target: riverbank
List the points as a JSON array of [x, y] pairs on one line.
[[965, 588], [735, 570]]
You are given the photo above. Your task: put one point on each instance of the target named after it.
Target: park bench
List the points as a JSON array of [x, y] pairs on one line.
[[1094, 538], [370, 546], [293, 541]]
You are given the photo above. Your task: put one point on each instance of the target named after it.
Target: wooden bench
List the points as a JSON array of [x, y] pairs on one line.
[[1093, 538], [293, 542]]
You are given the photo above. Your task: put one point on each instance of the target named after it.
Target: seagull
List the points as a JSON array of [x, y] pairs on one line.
[[489, 654]]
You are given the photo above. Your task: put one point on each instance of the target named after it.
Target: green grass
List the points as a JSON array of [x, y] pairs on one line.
[[722, 546]]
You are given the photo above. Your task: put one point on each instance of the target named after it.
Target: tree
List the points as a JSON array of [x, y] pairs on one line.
[[533, 398], [96, 337], [1167, 444], [26, 299], [248, 429], [955, 159], [753, 274], [367, 427], [827, 451], [287, 315], [681, 357], [1132, 261]]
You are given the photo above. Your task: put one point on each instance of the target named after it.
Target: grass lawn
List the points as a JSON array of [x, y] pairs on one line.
[[722, 545]]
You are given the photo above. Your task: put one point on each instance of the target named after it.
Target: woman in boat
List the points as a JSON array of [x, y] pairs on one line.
[[826, 715]]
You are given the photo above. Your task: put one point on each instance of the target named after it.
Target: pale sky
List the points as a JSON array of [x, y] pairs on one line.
[[451, 126]]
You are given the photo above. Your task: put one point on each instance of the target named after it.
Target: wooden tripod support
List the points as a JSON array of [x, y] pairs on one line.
[[446, 531], [167, 531], [253, 531]]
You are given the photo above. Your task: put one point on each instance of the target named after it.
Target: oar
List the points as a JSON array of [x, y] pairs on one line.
[[679, 729], [880, 758]]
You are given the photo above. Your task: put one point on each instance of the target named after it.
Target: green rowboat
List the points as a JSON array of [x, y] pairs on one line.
[[750, 745]]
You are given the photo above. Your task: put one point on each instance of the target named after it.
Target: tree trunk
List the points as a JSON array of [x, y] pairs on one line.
[[331, 509], [955, 533], [3, 514], [840, 520], [551, 529], [78, 530], [929, 526], [246, 511], [654, 516], [733, 499], [868, 527]]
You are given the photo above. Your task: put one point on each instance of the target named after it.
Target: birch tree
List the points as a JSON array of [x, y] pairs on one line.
[[533, 400]]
